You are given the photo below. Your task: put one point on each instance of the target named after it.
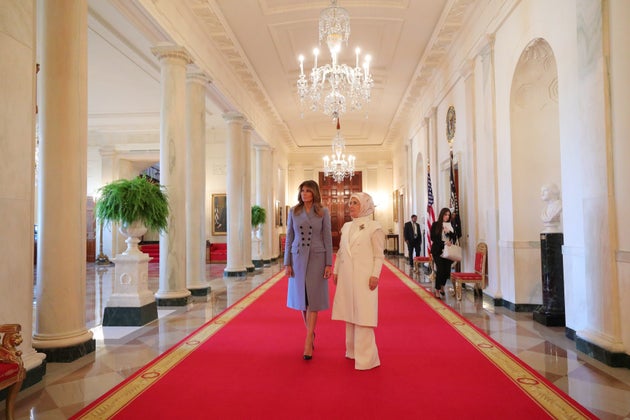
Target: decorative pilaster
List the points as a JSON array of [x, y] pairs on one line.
[[247, 198], [172, 284], [196, 186], [601, 337], [234, 201], [264, 198], [60, 329]]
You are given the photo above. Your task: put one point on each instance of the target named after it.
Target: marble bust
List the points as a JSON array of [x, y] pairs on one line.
[[550, 214]]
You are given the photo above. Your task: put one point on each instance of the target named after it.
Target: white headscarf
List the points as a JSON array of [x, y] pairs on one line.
[[367, 204]]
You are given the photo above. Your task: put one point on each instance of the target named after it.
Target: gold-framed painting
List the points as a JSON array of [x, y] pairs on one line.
[[395, 205], [219, 214]]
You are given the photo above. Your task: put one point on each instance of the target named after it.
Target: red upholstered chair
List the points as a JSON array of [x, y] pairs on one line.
[[479, 276], [418, 261], [12, 370]]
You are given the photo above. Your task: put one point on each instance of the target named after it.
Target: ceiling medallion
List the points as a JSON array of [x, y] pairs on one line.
[[450, 124], [333, 85]]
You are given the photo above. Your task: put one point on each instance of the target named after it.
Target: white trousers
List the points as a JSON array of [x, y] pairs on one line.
[[361, 346]]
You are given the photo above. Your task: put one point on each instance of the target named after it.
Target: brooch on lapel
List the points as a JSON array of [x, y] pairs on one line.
[[361, 227]]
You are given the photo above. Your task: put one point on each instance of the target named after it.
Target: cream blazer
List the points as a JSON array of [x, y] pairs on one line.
[[359, 257]]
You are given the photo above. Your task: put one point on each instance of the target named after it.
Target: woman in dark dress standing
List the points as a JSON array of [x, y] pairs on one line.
[[442, 234], [308, 258]]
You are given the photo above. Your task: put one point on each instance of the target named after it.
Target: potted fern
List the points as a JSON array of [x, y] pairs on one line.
[[136, 205], [259, 216]]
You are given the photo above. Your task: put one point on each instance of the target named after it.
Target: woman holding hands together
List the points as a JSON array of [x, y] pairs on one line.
[[356, 273], [308, 258]]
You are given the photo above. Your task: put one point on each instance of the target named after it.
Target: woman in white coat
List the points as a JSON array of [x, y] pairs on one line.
[[356, 272]]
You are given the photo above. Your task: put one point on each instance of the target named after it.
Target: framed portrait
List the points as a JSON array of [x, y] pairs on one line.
[[219, 214], [395, 205], [287, 209]]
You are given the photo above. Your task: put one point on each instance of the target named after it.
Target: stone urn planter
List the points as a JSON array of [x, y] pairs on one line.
[[135, 205]]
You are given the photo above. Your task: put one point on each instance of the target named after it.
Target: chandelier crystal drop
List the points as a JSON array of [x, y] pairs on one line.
[[338, 166], [334, 87]]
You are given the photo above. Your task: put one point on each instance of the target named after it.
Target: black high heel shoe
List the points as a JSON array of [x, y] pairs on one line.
[[310, 356]]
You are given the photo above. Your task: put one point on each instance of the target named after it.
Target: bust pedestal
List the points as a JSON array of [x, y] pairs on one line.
[[551, 313]]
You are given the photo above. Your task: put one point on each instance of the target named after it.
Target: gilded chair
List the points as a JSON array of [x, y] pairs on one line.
[[417, 267], [12, 372], [479, 277]]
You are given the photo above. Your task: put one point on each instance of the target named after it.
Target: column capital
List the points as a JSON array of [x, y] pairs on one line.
[[107, 151], [170, 51], [198, 77], [234, 117]]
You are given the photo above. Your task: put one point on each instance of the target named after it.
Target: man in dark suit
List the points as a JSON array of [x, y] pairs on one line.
[[413, 238]]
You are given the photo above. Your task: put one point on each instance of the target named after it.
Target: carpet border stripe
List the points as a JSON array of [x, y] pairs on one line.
[[119, 397], [537, 388]]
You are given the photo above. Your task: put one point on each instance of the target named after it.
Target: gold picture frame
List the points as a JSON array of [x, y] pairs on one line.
[[395, 205], [219, 214]]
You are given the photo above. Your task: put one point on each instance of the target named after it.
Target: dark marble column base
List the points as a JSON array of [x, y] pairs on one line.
[[182, 301], [235, 273], [549, 319], [68, 354], [201, 294], [266, 263], [121, 316], [202, 291], [258, 263], [599, 353], [33, 376], [251, 269]]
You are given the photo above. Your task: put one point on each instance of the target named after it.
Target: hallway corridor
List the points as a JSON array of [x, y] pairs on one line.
[[120, 351]]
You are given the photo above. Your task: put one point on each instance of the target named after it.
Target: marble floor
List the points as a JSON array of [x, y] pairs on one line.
[[120, 351]]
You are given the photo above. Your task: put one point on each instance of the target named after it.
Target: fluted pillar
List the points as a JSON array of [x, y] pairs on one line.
[[196, 185], [60, 329], [17, 144], [247, 198], [264, 198], [172, 289], [235, 266]]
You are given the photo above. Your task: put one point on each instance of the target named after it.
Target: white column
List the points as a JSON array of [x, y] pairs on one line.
[[172, 289], [196, 184], [235, 266], [60, 329], [107, 238], [247, 198], [17, 143], [264, 198], [594, 140]]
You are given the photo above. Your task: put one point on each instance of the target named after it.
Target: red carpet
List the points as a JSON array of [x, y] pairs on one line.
[[247, 363]]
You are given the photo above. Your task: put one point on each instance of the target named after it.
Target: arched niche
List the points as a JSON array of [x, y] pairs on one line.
[[535, 158]]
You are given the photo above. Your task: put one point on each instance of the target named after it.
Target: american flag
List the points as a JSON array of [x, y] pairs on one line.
[[455, 220], [430, 211]]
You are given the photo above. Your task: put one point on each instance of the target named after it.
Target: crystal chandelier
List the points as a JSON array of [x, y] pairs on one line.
[[332, 83], [336, 165]]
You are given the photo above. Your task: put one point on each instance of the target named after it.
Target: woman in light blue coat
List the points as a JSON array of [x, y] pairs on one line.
[[308, 258]]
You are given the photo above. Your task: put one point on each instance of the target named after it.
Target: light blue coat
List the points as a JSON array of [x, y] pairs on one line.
[[308, 251]]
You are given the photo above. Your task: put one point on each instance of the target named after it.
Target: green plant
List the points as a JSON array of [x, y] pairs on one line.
[[126, 201], [259, 215]]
